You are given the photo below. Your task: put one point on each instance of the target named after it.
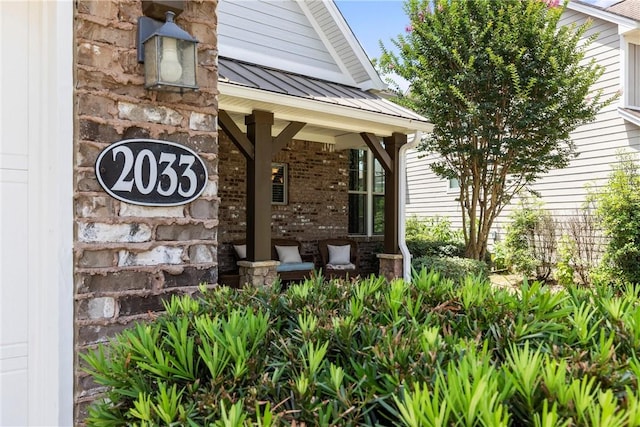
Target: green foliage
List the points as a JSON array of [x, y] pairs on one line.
[[586, 241], [434, 229], [369, 352], [454, 268], [530, 243], [564, 268], [474, 68], [618, 210], [499, 256], [433, 237], [430, 248]]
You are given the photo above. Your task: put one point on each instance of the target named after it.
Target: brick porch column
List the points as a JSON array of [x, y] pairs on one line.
[[391, 266], [258, 273]]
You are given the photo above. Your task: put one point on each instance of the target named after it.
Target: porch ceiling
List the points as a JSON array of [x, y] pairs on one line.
[[334, 114]]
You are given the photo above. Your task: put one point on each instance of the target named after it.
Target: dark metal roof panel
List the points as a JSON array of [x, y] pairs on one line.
[[286, 83]]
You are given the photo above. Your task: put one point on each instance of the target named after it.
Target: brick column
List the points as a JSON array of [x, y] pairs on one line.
[[258, 273], [391, 266], [129, 258]]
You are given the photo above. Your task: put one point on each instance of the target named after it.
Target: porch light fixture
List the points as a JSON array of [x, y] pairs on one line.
[[168, 53]]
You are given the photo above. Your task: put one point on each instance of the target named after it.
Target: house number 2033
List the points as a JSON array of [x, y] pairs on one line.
[[151, 172]]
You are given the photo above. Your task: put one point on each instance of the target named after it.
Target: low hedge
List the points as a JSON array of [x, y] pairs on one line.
[[366, 353], [422, 247], [454, 268]]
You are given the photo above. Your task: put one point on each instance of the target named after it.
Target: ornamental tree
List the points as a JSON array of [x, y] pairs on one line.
[[504, 84]]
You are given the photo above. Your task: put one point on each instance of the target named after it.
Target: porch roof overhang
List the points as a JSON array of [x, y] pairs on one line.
[[333, 113]]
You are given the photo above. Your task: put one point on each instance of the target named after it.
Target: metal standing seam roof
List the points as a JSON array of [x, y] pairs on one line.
[[285, 83]]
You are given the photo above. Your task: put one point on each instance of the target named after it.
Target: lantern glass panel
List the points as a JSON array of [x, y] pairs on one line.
[[151, 76]]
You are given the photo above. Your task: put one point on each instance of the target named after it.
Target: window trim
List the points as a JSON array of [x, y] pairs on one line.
[[630, 59]]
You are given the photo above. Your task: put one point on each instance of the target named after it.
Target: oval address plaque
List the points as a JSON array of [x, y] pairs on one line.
[[150, 172]]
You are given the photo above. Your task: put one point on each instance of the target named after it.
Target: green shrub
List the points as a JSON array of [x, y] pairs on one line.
[[498, 256], [432, 237], [454, 268], [564, 269], [587, 240], [530, 242], [618, 210], [421, 248], [368, 353], [437, 229]]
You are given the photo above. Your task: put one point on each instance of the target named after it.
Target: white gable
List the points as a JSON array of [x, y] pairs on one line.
[[308, 38]]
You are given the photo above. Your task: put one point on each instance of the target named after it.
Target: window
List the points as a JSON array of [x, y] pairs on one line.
[[633, 76], [630, 69], [278, 183], [454, 185], [366, 194]]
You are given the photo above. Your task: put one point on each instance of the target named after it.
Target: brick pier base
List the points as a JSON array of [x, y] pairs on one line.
[[258, 273], [391, 266]]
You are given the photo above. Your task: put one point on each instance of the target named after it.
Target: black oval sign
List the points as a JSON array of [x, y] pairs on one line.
[[150, 172]]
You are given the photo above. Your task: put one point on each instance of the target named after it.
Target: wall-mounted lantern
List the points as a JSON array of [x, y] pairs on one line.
[[168, 53]]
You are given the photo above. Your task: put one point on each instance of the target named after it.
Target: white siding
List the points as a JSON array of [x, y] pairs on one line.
[[275, 34], [336, 38], [563, 191]]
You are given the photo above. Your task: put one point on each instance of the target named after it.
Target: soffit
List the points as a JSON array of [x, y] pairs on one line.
[[334, 113]]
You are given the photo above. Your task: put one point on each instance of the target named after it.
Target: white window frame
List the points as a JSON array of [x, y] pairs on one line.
[[630, 70]]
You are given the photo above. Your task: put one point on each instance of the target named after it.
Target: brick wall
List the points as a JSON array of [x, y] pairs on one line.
[[129, 258], [317, 207]]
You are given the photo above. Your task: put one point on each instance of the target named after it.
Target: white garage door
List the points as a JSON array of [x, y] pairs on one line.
[[36, 327]]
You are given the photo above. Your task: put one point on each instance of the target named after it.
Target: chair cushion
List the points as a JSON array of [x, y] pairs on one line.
[[288, 254], [339, 255], [295, 266], [341, 266]]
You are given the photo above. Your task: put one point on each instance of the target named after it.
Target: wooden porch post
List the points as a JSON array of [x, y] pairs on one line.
[[389, 158], [391, 264], [259, 125], [392, 146]]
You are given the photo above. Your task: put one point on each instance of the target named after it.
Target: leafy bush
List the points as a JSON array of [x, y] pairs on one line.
[[431, 248], [564, 269], [499, 256], [429, 239], [435, 229], [618, 209], [454, 268], [584, 231], [376, 353], [530, 241]]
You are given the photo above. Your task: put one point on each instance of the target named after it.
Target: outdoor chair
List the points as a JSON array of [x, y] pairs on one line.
[[340, 258]]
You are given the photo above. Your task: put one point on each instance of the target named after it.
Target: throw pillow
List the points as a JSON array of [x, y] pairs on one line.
[[339, 255], [287, 254], [241, 251]]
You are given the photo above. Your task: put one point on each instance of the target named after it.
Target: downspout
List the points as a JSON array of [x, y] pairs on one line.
[[402, 198]]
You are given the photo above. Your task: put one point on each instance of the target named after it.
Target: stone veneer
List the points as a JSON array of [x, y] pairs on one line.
[[129, 258], [318, 201]]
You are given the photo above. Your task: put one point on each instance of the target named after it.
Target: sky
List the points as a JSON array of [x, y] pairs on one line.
[[374, 20]]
